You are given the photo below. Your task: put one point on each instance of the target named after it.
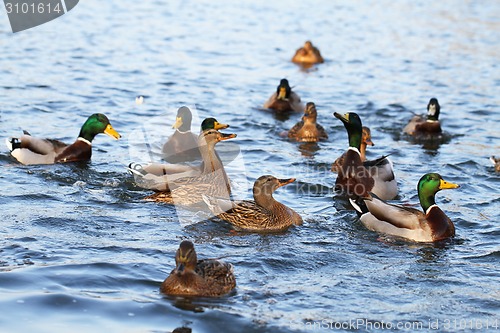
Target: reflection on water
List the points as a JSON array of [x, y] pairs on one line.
[[81, 251]]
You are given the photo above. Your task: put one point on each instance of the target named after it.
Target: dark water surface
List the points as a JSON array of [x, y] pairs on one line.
[[81, 252]]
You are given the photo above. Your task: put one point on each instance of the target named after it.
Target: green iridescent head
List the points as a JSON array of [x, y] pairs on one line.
[[95, 124], [212, 123], [429, 185], [354, 127]]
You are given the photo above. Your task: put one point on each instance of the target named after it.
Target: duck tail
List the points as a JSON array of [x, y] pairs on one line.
[[13, 143], [136, 169], [359, 205]]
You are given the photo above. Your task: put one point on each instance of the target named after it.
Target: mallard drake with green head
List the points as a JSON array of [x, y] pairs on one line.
[[188, 190], [284, 99], [307, 130], [263, 214], [366, 140], [193, 277], [410, 223], [308, 54], [356, 178], [30, 150], [424, 127]]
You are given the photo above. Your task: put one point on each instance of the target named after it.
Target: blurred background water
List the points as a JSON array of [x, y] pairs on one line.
[[80, 251]]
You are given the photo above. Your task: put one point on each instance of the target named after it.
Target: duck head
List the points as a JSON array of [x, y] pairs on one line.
[[264, 187], [284, 89], [433, 109], [366, 137], [185, 258], [212, 136], [429, 185], [212, 123], [183, 119], [310, 113], [95, 124], [352, 124]]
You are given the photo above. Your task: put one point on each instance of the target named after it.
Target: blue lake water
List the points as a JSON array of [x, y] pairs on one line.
[[79, 249]]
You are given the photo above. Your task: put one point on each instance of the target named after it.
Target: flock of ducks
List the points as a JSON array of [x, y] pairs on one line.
[[367, 183]]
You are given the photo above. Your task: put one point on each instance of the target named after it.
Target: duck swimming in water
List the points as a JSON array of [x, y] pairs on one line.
[[263, 214], [429, 226], [193, 277], [308, 130], [356, 178], [284, 99], [30, 150], [425, 127], [308, 54]]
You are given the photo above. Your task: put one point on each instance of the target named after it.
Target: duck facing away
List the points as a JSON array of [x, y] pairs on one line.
[[356, 178], [426, 127], [432, 225], [366, 140], [263, 214], [284, 99], [308, 54], [193, 277], [308, 130], [188, 191], [30, 150]]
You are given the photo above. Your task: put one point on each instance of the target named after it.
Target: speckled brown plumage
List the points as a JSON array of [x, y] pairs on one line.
[[263, 214], [308, 130], [192, 277]]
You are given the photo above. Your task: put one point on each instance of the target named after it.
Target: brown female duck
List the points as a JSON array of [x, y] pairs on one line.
[[30, 150], [307, 130], [432, 225], [308, 54], [193, 277], [284, 99], [263, 214], [421, 127]]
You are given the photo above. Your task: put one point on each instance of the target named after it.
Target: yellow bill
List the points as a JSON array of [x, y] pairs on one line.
[[178, 123], [111, 132], [444, 185]]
